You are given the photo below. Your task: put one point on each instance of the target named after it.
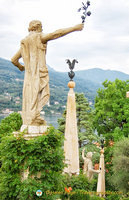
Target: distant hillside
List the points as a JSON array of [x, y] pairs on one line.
[[87, 81], [98, 76], [11, 84]]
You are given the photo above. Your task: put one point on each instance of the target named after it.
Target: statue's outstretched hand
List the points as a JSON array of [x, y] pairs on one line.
[[21, 68], [79, 27], [98, 171]]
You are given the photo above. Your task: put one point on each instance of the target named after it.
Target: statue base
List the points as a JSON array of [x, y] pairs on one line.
[[31, 132], [33, 129]]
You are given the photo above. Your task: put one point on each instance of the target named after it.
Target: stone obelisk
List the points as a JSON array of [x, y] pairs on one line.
[[101, 176], [71, 148]]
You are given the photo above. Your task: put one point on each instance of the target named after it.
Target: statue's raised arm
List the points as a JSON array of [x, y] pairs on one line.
[[83, 152], [61, 32]]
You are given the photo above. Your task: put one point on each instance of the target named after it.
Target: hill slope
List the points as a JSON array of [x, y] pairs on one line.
[[87, 81], [98, 76]]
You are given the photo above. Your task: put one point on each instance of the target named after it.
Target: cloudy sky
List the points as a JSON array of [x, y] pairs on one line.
[[103, 43]]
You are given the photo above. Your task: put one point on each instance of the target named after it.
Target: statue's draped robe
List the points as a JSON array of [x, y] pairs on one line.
[[36, 80], [88, 167]]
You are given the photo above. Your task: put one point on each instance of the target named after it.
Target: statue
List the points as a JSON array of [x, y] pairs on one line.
[[88, 166], [36, 81]]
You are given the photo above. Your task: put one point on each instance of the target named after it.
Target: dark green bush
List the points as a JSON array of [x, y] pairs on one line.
[[113, 197], [96, 198], [120, 176], [81, 195], [78, 182]]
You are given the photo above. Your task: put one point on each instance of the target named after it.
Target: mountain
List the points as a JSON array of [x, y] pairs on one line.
[[87, 81], [98, 76]]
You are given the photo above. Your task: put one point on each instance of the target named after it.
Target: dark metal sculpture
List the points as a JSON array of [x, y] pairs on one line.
[[84, 9], [102, 143], [71, 67]]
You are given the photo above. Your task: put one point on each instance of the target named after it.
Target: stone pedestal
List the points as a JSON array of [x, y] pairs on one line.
[[31, 132], [71, 148], [33, 129], [101, 176]]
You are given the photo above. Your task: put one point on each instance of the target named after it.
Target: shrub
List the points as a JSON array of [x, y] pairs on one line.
[[120, 176], [81, 195], [11, 123], [78, 182], [42, 154], [113, 197]]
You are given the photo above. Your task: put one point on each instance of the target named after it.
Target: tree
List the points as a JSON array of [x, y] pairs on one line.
[[84, 120], [120, 176], [112, 119], [112, 110]]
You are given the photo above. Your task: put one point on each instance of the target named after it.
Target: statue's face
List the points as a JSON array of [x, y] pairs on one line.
[[89, 155]]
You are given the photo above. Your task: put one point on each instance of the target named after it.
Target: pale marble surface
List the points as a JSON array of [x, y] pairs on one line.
[[101, 176], [36, 80], [88, 166], [71, 148]]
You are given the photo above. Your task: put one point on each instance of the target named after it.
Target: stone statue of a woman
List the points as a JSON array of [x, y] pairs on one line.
[[88, 166]]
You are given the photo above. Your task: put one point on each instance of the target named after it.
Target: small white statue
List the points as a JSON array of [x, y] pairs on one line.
[[88, 166]]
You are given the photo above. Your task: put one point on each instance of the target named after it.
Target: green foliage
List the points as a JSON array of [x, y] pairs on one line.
[[96, 198], [112, 110], [84, 120], [78, 182], [80, 194], [112, 119], [120, 176], [43, 155], [11, 123], [113, 197], [81, 187]]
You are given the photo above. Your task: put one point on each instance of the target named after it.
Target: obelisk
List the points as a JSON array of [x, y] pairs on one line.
[[71, 148], [101, 176]]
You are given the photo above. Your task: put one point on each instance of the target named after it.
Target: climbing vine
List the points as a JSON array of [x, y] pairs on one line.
[[42, 155]]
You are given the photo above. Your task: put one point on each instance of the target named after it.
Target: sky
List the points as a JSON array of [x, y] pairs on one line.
[[103, 43]]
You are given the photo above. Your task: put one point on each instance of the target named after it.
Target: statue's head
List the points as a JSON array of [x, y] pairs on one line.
[[35, 25], [89, 155]]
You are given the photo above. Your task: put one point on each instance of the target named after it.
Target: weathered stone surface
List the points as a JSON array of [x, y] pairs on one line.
[[88, 166], [36, 80], [33, 129], [101, 176], [31, 132], [23, 128], [71, 136]]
